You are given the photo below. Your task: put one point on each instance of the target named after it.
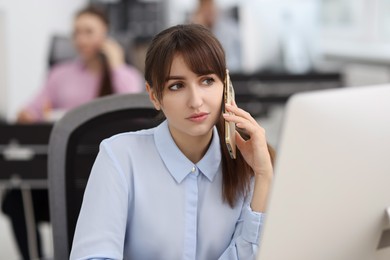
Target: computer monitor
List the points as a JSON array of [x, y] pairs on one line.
[[332, 178]]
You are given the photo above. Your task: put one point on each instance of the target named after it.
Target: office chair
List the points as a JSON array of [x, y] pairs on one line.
[[61, 48], [73, 146]]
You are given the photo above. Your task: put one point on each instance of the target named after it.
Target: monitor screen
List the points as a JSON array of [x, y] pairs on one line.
[[332, 178]]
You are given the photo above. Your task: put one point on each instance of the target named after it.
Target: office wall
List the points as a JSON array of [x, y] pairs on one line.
[[3, 89], [29, 26]]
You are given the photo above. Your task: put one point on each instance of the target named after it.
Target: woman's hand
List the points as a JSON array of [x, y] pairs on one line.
[[114, 53], [255, 149], [25, 117], [255, 152]]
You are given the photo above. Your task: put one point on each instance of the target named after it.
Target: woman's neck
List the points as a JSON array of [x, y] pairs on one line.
[[94, 65], [193, 147]]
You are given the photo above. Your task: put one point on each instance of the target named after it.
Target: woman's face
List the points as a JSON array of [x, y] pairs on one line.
[[191, 102], [89, 34]]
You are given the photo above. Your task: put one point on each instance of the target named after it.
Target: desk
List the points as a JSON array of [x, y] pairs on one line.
[[278, 87], [23, 164], [23, 150], [256, 92]]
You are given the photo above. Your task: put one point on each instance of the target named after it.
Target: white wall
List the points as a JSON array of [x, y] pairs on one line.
[[29, 26], [3, 89], [357, 30]]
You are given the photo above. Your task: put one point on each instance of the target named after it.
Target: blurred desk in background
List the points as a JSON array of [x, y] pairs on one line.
[[23, 165], [256, 92], [277, 88], [23, 154]]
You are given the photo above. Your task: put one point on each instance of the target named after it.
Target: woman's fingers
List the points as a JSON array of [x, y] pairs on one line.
[[245, 121], [239, 141], [242, 122], [114, 53], [240, 112]]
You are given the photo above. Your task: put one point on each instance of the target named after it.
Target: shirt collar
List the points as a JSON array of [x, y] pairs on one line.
[[177, 163]]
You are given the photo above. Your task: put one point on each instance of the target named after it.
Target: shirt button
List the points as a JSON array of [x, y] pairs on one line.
[[193, 169]]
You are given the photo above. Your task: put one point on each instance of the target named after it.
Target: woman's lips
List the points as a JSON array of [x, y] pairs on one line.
[[198, 117]]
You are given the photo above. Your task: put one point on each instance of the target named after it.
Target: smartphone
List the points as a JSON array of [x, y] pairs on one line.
[[230, 127]]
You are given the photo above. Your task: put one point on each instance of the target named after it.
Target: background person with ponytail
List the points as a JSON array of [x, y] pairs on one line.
[[98, 71]]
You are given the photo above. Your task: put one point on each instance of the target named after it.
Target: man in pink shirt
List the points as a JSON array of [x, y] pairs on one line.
[[99, 70]]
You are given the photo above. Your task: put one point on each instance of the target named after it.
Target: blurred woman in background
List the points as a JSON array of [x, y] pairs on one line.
[[98, 71]]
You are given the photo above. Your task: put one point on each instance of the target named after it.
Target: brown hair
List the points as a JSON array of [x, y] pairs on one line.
[[105, 87], [204, 55]]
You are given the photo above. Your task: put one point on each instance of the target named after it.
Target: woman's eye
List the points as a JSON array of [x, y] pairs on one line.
[[208, 81], [175, 86]]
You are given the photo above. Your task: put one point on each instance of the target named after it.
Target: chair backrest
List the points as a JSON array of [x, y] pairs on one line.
[[73, 146], [61, 49]]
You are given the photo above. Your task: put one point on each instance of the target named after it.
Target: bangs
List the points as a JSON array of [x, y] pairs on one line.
[[202, 60], [200, 50]]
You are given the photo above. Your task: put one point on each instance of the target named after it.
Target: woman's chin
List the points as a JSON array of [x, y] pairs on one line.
[[88, 57], [198, 130]]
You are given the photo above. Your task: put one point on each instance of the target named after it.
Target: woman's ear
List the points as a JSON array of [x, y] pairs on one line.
[[152, 97]]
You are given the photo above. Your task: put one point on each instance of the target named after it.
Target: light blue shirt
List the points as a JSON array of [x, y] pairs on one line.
[[146, 200]]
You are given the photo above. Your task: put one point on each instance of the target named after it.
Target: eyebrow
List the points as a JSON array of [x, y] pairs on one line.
[[174, 77]]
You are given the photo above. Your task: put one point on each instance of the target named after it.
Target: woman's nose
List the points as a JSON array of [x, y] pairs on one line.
[[195, 98]]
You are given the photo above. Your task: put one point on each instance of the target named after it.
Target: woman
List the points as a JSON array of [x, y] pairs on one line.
[[98, 71], [172, 192]]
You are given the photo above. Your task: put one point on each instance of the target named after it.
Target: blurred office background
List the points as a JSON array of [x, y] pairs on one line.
[[287, 46]]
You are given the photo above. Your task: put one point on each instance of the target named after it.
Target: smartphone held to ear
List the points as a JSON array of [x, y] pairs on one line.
[[230, 127]]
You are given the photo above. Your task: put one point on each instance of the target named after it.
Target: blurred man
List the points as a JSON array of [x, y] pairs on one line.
[[224, 27]]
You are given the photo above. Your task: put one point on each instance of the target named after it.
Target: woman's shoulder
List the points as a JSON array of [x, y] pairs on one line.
[[128, 70], [129, 67], [65, 67], [142, 138], [129, 148]]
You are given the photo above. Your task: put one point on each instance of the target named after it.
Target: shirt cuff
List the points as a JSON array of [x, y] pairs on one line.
[[35, 113], [252, 223]]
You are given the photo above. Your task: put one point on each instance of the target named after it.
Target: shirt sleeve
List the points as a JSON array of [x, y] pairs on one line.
[[37, 105], [246, 238], [101, 226], [127, 79]]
